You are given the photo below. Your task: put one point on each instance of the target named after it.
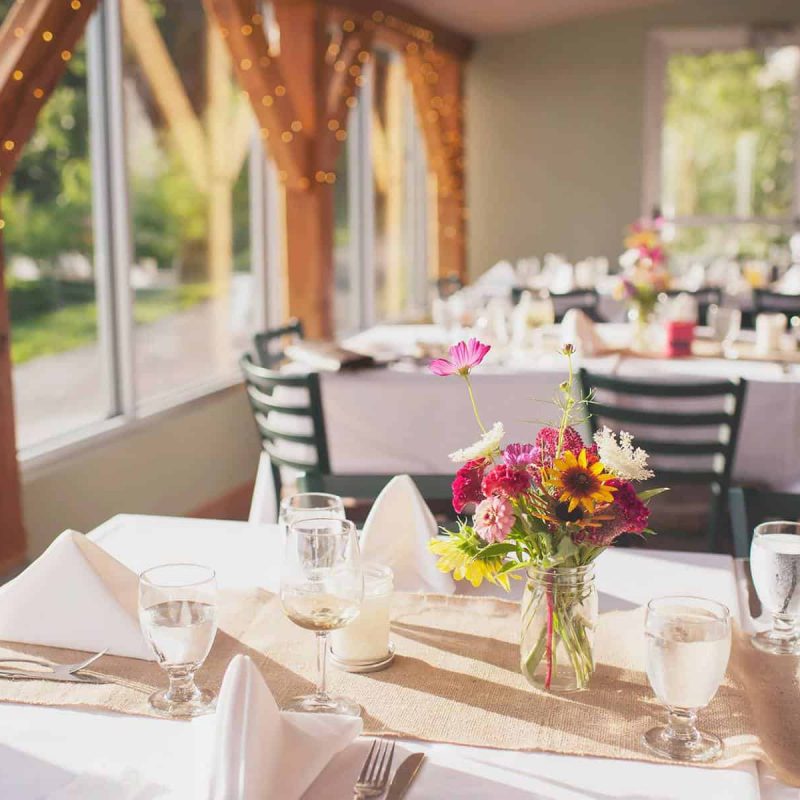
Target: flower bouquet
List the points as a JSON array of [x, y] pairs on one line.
[[547, 509], [644, 274]]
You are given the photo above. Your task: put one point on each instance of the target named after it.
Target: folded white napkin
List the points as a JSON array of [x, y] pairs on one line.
[[396, 534], [501, 275], [578, 330], [262, 753], [75, 595]]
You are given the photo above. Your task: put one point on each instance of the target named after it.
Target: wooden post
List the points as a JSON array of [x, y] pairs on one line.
[[12, 532]]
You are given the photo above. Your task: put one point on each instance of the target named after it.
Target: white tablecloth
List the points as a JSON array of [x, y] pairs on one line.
[[71, 755], [408, 420]]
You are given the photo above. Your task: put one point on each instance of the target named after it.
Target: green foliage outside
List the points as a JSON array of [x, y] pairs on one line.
[[48, 205], [728, 147]]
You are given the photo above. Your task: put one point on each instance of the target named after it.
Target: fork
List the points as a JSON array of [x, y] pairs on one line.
[[51, 670], [375, 772]]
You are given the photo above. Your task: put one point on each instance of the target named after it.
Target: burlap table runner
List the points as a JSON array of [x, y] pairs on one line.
[[456, 679]]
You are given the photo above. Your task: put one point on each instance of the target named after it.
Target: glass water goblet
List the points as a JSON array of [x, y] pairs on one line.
[[725, 324], [322, 588], [178, 616], [688, 645], [775, 567], [310, 505]]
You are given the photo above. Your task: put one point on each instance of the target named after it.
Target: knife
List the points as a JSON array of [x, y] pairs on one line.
[[404, 775]]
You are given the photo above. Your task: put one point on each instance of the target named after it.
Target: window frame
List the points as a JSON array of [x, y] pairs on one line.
[[663, 43], [113, 259]]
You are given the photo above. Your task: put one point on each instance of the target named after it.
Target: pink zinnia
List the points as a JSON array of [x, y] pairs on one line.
[[494, 518], [467, 484], [505, 481], [463, 357], [519, 455]]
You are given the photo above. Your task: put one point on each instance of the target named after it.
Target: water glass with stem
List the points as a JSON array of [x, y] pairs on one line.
[[688, 646], [322, 589], [310, 505], [775, 567], [178, 616]]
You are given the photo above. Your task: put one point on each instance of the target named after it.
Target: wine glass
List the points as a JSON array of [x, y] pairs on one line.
[[322, 588], [310, 505], [725, 324], [178, 616], [775, 567], [688, 646]]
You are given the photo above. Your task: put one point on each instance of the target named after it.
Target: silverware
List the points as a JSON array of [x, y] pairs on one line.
[[50, 670], [404, 776], [375, 772]]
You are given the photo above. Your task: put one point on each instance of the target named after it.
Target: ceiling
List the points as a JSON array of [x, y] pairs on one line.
[[478, 18]]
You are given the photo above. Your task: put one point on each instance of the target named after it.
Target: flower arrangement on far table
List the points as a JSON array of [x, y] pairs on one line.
[[547, 508], [644, 272]]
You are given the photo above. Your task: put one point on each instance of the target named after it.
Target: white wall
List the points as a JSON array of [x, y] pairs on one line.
[[172, 464], [554, 128]]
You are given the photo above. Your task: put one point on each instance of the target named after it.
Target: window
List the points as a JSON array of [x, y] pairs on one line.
[[129, 224], [381, 262], [721, 140]]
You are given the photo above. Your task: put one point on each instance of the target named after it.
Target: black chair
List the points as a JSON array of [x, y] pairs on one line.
[[449, 285], [706, 461], [704, 298], [271, 343], [750, 507], [766, 301], [306, 451], [587, 300]]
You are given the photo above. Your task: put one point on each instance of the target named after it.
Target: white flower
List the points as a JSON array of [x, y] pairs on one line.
[[486, 446], [621, 458]]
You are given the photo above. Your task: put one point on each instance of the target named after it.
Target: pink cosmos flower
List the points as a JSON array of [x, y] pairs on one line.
[[467, 484], [463, 357], [519, 455], [494, 518], [505, 481]]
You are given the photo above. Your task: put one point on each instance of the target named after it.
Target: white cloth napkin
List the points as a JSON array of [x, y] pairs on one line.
[[261, 753], [75, 595], [578, 330], [396, 534]]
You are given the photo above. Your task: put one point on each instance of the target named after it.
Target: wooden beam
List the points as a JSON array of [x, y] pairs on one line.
[[398, 25], [261, 76], [170, 95], [37, 39], [12, 532]]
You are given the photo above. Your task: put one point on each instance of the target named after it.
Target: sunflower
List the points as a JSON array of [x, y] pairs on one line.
[[580, 484]]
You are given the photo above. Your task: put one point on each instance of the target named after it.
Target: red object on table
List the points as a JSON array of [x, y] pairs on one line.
[[680, 336]]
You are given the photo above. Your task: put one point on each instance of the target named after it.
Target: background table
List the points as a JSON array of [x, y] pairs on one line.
[[70, 755], [407, 420]]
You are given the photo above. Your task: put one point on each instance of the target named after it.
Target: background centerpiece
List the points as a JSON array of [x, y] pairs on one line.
[[546, 509], [644, 276]]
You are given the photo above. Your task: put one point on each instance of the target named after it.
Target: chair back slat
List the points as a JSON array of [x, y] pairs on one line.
[[587, 300], [676, 424], [766, 302], [270, 344], [266, 391]]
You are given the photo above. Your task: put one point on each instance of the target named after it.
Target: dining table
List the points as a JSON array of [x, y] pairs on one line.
[[67, 754], [401, 418]]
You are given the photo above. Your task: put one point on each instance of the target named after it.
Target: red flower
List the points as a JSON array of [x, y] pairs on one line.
[[547, 443], [628, 514], [467, 483], [505, 481]]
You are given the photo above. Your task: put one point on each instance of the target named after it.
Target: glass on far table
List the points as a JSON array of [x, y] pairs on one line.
[[310, 505], [688, 646], [322, 589], [178, 616], [775, 567], [725, 324]]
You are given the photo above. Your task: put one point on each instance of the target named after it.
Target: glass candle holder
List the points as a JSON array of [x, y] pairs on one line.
[[365, 641]]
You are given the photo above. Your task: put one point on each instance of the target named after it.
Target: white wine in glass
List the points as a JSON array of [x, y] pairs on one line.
[[775, 567], [322, 588], [688, 646]]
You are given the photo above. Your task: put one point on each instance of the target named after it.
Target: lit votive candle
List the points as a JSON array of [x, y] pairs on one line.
[[366, 639]]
